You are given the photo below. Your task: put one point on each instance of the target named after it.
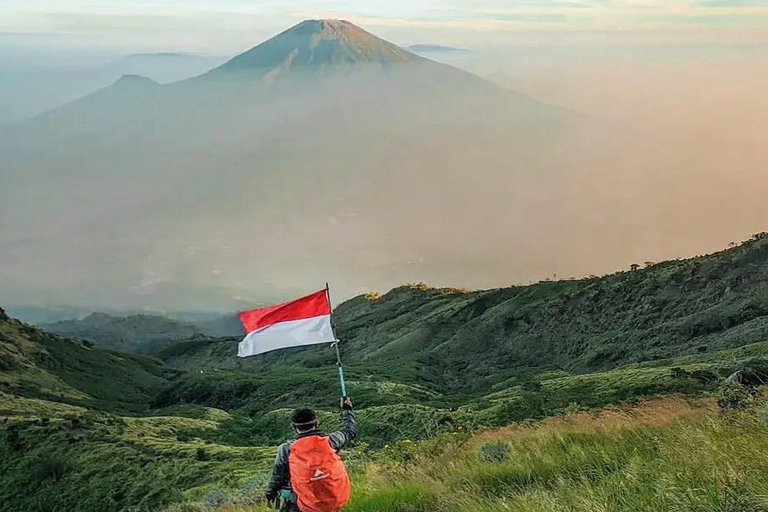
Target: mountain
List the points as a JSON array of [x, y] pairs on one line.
[[456, 341], [134, 333], [164, 67], [39, 315], [141, 333], [38, 364], [317, 47], [146, 189]]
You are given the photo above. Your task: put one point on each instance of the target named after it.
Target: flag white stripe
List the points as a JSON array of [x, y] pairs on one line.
[[291, 333]]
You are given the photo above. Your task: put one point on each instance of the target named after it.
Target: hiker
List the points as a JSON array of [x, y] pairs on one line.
[[308, 473]]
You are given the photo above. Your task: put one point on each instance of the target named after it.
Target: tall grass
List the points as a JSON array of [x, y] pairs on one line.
[[665, 455]]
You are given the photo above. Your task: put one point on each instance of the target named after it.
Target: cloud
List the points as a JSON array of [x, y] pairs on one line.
[[732, 3], [231, 23]]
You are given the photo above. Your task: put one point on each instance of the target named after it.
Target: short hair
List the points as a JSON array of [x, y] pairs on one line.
[[303, 418]]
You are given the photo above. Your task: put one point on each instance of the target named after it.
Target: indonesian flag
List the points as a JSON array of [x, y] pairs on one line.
[[303, 321]]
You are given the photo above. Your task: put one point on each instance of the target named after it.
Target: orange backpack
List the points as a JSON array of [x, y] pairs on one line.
[[318, 476]]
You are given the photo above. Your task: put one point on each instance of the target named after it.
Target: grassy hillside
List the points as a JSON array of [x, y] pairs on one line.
[[519, 352], [38, 364], [666, 455], [433, 373], [468, 342], [58, 458], [670, 454]]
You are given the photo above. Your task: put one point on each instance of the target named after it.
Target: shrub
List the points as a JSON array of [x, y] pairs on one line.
[[51, 469], [6, 363], [201, 454], [494, 452], [704, 376], [185, 507], [734, 397], [251, 492], [573, 408], [678, 373], [215, 499], [14, 439]]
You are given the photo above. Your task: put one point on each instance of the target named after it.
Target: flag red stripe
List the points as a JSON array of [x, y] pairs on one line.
[[310, 306]]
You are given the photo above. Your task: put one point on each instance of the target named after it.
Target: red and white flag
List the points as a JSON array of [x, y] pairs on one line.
[[303, 321]]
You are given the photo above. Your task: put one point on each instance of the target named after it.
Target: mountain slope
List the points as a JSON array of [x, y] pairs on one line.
[[316, 46], [367, 136], [454, 341], [37, 364]]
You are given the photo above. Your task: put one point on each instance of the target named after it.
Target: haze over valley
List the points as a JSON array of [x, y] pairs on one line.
[[180, 188]]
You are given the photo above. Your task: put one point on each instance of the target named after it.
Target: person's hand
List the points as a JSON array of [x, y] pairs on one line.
[[346, 403]]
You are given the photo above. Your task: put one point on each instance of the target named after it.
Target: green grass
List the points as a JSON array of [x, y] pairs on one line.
[[37, 364], [110, 462], [665, 455], [671, 455]]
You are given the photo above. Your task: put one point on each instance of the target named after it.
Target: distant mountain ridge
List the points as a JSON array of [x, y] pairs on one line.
[[38, 364], [140, 333]]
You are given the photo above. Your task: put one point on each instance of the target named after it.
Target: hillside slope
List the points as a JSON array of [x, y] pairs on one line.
[[37, 364], [454, 341]]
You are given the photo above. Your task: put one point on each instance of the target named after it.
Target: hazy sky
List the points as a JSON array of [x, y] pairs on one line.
[[224, 25], [690, 74]]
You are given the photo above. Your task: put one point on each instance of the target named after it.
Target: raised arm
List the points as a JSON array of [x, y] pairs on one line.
[[348, 431]]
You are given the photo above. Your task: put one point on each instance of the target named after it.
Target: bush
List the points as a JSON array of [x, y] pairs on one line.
[[201, 454], [185, 507], [678, 373], [494, 452], [14, 439], [734, 397], [252, 490], [51, 469], [215, 499]]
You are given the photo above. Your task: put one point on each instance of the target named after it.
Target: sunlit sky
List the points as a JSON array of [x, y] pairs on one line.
[[223, 25]]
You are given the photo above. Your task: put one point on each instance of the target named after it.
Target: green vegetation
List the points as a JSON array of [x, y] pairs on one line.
[[663, 455], [458, 343], [433, 372], [666, 454], [38, 364], [58, 460]]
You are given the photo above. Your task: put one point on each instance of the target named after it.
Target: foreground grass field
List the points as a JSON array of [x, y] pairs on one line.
[[668, 455], [77, 434], [660, 455]]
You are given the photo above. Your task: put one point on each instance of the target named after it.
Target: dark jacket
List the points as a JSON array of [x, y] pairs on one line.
[[281, 477]]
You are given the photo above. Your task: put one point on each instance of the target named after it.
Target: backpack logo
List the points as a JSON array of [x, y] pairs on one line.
[[319, 475]]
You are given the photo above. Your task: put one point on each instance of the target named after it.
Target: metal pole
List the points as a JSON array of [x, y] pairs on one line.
[[336, 345]]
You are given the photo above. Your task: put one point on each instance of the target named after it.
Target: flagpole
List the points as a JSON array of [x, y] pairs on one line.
[[336, 344]]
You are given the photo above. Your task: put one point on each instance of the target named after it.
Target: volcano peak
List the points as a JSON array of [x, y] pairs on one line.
[[313, 44]]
